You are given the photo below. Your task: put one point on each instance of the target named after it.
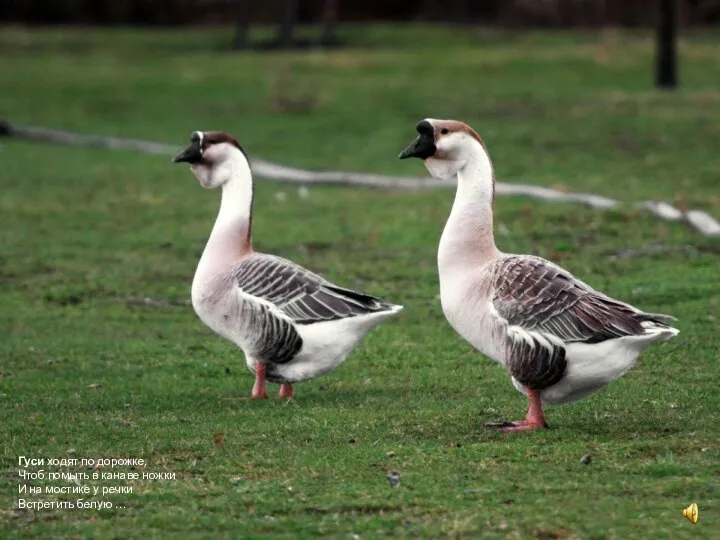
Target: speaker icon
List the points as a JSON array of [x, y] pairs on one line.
[[691, 512]]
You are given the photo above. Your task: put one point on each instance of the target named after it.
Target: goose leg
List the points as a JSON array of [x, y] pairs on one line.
[[286, 390], [259, 391], [535, 418]]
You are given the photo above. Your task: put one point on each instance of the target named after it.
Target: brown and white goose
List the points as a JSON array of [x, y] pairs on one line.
[[291, 324], [560, 339]]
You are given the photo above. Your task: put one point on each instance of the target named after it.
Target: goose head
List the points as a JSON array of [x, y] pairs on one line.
[[446, 146], [214, 157]]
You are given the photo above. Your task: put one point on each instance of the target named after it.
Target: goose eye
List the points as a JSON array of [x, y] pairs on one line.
[[444, 131]]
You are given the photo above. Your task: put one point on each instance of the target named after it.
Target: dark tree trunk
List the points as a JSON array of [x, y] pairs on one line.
[[458, 12], [286, 28], [666, 68], [330, 15], [242, 24], [426, 11]]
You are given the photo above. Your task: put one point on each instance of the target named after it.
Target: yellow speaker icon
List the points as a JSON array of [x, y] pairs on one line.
[[691, 512]]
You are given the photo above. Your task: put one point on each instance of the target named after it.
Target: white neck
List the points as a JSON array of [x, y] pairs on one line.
[[230, 237], [468, 235], [236, 200]]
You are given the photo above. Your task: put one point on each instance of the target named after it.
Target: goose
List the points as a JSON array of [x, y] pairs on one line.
[[291, 324], [559, 339]]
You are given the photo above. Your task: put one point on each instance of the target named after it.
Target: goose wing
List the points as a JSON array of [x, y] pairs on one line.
[[302, 295], [545, 308], [536, 295]]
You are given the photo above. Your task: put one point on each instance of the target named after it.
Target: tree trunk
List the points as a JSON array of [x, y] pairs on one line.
[[287, 24], [458, 12], [330, 16], [666, 68], [242, 24], [426, 11]]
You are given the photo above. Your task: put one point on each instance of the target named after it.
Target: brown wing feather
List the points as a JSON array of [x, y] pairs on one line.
[[546, 301], [302, 295], [535, 295]]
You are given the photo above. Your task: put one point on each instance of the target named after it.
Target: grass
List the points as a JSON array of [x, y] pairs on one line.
[[90, 233]]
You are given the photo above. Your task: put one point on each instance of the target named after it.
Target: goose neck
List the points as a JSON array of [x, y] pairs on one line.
[[230, 238], [468, 237]]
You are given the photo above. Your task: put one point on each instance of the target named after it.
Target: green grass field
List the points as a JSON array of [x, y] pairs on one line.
[[89, 234]]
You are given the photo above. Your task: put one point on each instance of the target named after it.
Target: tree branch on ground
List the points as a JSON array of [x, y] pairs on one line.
[[699, 220]]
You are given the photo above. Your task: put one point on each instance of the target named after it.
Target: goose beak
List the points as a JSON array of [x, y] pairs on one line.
[[423, 147], [191, 154]]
